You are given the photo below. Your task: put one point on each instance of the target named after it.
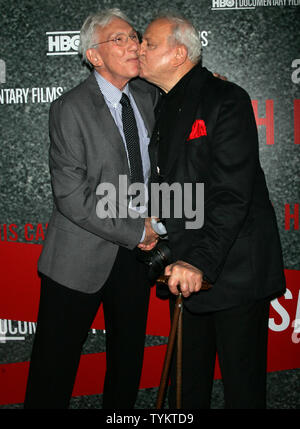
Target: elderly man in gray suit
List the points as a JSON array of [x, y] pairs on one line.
[[88, 259]]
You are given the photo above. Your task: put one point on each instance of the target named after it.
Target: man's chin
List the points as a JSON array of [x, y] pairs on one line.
[[142, 73], [134, 74]]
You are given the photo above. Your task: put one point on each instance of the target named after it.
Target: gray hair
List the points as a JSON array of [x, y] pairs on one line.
[[183, 33], [92, 22]]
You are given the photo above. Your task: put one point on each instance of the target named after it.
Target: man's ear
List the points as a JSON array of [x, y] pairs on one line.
[[180, 56], [94, 57]]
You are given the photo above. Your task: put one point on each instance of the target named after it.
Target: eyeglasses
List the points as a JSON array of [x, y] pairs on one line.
[[121, 39]]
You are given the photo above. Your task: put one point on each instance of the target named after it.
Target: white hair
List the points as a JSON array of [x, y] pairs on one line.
[[92, 22], [183, 33]]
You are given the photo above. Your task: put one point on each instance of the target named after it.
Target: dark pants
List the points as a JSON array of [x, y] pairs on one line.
[[239, 336], [64, 319]]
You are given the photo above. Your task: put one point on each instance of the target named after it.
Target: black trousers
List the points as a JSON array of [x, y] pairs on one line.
[[64, 319], [239, 336]]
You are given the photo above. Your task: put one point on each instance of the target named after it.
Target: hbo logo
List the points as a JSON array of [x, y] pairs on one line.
[[62, 44], [223, 3]]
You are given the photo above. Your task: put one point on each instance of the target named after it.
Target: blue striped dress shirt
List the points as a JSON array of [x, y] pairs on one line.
[[112, 96]]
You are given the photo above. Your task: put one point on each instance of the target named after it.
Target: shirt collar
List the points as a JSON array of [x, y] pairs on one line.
[[111, 93]]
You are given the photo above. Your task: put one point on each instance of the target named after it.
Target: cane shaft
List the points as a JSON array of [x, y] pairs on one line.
[[176, 327], [170, 346], [179, 361]]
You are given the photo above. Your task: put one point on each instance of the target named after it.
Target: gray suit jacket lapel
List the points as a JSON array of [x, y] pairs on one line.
[[108, 124], [143, 101]]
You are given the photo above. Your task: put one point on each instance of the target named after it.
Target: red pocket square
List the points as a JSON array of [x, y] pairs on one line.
[[198, 129]]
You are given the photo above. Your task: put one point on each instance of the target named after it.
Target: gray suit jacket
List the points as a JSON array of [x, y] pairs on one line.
[[87, 149]]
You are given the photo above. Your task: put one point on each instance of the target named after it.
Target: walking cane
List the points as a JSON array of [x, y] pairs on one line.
[[176, 328]]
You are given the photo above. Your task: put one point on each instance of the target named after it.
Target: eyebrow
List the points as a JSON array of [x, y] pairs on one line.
[[117, 33]]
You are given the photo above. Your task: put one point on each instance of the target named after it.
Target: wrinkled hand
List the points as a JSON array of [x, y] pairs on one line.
[[150, 238], [185, 277]]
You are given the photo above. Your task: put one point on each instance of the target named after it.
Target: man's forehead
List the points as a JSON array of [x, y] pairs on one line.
[[116, 25], [160, 27]]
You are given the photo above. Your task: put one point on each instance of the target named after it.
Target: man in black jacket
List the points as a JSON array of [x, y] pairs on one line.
[[206, 133]]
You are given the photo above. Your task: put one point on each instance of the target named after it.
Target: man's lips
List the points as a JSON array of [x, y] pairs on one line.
[[135, 59]]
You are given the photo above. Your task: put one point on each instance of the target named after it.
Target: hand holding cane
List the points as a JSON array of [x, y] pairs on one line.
[[163, 279]]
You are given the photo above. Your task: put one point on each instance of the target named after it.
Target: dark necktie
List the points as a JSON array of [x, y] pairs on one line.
[[132, 141]]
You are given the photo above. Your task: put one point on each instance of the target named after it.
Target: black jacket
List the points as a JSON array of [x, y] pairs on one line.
[[238, 247]]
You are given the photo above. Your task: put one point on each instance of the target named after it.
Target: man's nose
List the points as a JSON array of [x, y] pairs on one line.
[[133, 45], [142, 47]]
